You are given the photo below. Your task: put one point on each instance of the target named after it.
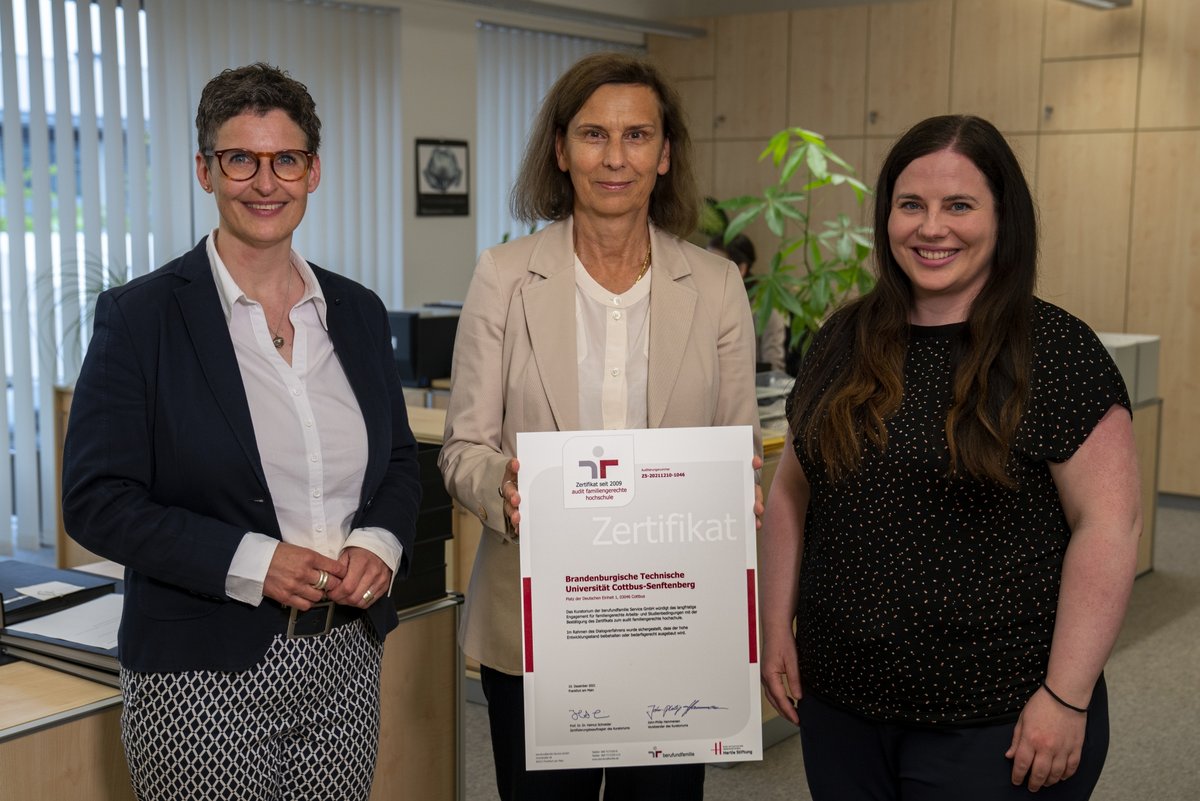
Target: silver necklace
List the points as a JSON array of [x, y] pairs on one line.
[[277, 340]]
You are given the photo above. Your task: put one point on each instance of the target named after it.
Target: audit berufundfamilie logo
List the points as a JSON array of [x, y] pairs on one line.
[[598, 471]]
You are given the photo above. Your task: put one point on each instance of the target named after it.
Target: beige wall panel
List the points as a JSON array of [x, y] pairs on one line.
[[752, 60], [685, 58], [1170, 65], [1025, 149], [908, 78], [1096, 94], [998, 61], [697, 97], [1164, 293], [1074, 31], [828, 73], [1084, 183], [703, 155], [738, 172]]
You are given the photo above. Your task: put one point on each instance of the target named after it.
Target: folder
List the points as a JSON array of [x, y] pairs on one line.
[[19, 608]]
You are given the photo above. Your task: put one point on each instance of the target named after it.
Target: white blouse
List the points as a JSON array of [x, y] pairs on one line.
[[612, 343]]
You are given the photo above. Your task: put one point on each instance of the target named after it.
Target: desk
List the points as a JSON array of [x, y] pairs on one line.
[[60, 736]]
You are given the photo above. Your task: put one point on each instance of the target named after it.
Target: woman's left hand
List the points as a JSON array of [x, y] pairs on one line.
[[1046, 743], [759, 508], [367, 579]]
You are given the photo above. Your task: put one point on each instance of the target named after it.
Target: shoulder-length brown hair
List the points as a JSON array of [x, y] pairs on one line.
[[856, 379], [544, 192]]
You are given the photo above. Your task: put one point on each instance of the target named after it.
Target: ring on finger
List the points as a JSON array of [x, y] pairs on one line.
[[367, 596], [322, 580]]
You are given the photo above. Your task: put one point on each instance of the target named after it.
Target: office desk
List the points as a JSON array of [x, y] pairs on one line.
[[60, 736]]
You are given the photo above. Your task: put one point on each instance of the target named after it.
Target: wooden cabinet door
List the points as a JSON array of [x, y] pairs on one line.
[[998, 61], [908, 78], [1164, 291], [1168, 94], [751, 79], [1084, 186], [827, 77], [1074, 31], [1089, 95]]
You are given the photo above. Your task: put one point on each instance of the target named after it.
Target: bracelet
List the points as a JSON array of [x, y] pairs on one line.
[[1054, 695]]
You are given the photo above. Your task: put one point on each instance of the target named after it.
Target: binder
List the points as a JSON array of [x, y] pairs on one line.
[[19, 608], [74, 668], [73, 652]]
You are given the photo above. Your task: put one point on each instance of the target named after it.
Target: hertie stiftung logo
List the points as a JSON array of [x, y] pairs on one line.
[[598, 470], [598, 466]]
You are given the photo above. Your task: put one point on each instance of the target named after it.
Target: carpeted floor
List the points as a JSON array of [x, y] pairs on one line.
[[1153, 679]]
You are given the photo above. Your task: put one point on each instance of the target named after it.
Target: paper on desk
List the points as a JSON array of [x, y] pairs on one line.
[[49, 589], [92, 623]]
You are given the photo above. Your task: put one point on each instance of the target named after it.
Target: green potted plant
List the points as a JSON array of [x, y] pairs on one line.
[[815, 265]]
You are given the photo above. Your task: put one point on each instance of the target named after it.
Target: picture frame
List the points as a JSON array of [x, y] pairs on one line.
[[442, 170]]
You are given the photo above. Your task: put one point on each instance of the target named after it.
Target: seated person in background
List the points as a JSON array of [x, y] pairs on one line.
[[770, 346]]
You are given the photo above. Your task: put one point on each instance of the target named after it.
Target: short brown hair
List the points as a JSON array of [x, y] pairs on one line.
[[544, 192], [258, 88]]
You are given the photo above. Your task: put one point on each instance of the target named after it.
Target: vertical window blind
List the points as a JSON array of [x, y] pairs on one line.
[[516, 67], [97, 176]]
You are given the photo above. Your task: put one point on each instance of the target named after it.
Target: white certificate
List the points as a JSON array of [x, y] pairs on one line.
[[639, 583]]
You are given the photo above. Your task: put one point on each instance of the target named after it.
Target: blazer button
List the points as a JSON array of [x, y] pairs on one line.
[[482, 513]]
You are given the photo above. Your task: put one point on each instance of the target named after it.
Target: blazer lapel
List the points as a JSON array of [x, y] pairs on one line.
[[200, 306], [550, 319], [672, 304], [352, 342]]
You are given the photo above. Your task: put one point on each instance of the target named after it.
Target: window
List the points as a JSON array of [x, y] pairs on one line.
[[516, 68]]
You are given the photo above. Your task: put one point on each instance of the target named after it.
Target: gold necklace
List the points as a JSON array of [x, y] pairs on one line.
[[645, 265], [277, 340]]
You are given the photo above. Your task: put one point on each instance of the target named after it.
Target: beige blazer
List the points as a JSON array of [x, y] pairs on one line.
[[515, 370]]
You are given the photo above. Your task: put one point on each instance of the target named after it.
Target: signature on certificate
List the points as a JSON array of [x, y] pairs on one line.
[[588, 714], [678, 710]]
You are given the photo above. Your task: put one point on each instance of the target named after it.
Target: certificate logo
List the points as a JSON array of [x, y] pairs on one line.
[[598, 471]]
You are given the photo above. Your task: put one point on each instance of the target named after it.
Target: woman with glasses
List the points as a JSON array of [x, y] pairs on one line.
[[238, 440]]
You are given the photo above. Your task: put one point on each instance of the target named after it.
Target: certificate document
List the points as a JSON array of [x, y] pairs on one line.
[[639, 584]]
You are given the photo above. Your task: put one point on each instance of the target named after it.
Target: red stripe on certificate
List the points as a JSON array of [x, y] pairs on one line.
[[751, 616], [525, 583]]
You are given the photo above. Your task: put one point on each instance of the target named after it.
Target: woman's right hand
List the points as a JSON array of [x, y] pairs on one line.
[[512, 498], [294, 573], [780, 674]]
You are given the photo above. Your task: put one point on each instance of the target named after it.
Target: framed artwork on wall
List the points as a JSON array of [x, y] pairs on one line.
[[443, 185]]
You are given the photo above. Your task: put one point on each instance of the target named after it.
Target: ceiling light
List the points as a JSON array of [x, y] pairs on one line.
[[586, 17], [1105, 4]]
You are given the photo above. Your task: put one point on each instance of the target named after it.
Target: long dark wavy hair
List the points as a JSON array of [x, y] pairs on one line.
[[855, 381], [544, 192]]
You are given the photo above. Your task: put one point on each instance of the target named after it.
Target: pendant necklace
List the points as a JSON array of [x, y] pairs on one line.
[[277, 340]]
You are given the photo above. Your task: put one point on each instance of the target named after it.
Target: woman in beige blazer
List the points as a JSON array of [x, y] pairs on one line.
[[604, 319]]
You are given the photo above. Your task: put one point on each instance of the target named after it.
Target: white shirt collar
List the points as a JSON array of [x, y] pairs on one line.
[[230, 293]]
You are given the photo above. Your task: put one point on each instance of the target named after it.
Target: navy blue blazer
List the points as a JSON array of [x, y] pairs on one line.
[[161, 470]]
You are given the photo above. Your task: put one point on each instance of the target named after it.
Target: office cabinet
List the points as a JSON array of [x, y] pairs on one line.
[[998, 36], [1164, 290], [751, 78], [908, 77], [1090, 95], [1170, 65], [827, 76], [1084, 185], [1075, 31], [696, 94]]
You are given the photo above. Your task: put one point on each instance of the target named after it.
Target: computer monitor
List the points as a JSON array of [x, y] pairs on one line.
[[423, 342]]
